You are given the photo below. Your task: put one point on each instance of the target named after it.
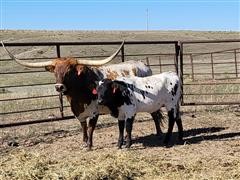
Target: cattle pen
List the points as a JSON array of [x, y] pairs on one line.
[[32, 149], [218, 84]]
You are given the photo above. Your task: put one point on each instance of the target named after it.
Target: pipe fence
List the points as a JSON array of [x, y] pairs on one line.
[[196, 82]]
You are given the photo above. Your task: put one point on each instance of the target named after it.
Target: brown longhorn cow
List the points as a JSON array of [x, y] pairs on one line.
[[77, 79]]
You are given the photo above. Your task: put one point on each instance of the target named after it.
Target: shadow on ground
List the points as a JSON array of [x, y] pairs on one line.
[[191, 136]]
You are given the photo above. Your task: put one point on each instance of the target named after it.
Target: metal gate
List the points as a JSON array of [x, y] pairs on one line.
[[210, 72], [27, 99]]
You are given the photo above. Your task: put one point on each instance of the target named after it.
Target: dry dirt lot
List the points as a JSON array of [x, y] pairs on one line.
[[54, 150], [211, 150]]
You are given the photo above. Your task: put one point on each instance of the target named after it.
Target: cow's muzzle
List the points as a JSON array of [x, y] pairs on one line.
[[60, 88]]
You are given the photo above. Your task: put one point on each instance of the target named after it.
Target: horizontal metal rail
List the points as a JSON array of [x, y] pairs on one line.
[[25, 98], [226, 51], [130, 55], [210, 83], [99, 56], [23, 72], [205, 94], [13, 124], [209, 103], [225, 73], [162, 64], [229, 62], [32, 110], [88, 43], [209, 41], [36, 58], [24, 85]]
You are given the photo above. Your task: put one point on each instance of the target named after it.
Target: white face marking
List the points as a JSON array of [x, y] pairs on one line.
[[100, 83]]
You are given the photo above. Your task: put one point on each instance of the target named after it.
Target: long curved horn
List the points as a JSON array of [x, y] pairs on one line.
[[27, 64], [100, 62]]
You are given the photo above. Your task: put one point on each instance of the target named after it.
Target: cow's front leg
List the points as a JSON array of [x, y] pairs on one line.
[[91, 127], [121, 124], [129, 124], [85, 135]]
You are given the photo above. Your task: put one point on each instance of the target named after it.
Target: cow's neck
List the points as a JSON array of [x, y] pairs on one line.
[[80, 94]]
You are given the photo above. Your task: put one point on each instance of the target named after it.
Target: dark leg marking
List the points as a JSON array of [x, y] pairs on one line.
[[180, 129], [85, 136], [91, 127], [121, 124], [179, 125], [129, 125], [171, 122]]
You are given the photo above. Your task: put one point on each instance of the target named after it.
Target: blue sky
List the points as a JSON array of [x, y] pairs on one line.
[[221, 15]]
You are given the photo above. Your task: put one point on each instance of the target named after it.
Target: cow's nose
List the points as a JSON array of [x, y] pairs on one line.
[[59, 87]]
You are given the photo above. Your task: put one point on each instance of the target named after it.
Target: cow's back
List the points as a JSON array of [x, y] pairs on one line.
[[128, 68], [155, 91]]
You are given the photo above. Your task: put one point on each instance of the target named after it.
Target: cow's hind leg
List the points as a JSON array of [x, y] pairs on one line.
[[121, 124], [91, 126], [180, 126], [171, 122], [157, 117]]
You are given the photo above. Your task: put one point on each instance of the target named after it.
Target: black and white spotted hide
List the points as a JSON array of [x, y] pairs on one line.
[[127, 96]]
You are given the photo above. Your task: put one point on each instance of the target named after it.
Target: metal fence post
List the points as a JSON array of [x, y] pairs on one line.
[[181, 71], [147, 60], [212, 65], [191, 58], [60, 94], [177, 48], [160, 64], [235, 59], [61, 104], [58, 51], [122, 53]]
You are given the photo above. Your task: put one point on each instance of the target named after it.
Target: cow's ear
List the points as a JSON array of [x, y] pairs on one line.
[[114, 90], [50, 68], [115, 86], [94, 91]]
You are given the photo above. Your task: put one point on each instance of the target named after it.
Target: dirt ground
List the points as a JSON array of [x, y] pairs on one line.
[[211, 150]]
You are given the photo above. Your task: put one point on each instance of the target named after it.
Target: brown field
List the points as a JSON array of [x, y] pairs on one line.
[[54, 150]]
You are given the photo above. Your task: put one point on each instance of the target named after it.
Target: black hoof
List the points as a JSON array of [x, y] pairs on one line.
[[119, 145], [89, 148], [128, 145], [166, 141], [167, 145], [84, 145], [181, 142]]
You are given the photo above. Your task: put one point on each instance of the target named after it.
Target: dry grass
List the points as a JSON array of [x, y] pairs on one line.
[[113, 164], [211, 150]]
